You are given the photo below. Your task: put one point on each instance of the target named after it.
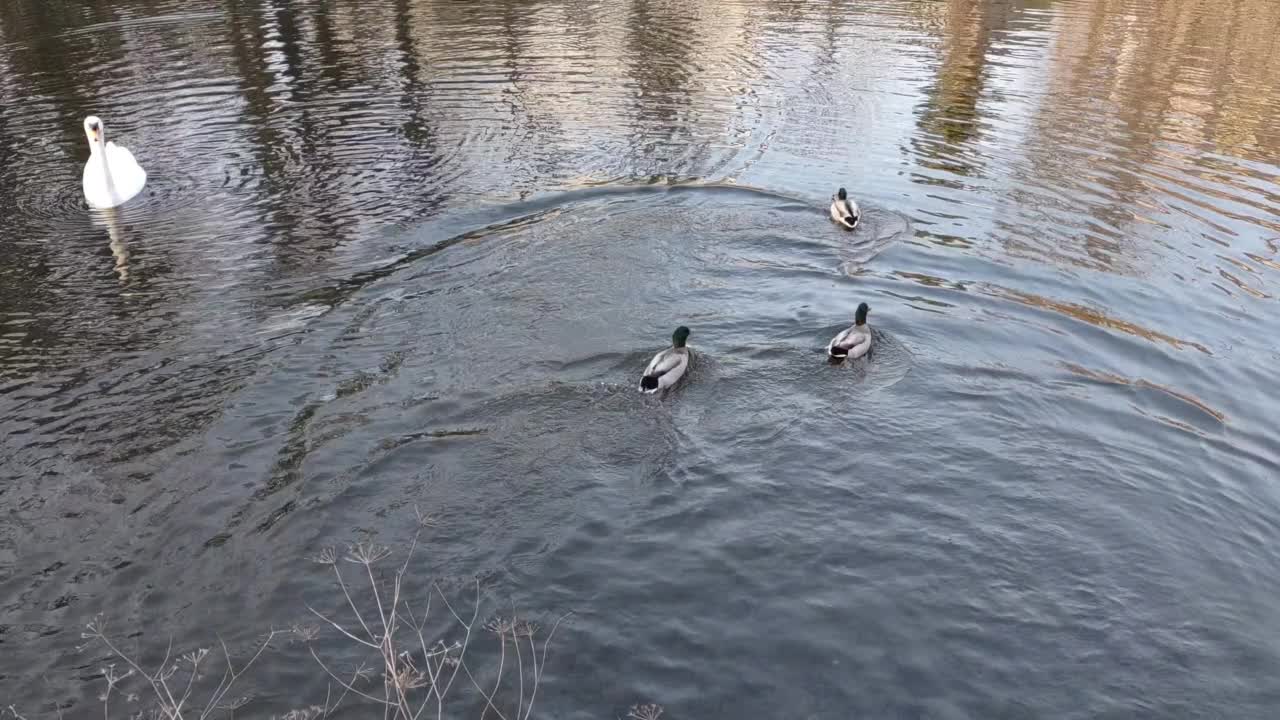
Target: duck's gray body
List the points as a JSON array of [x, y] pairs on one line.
[[844, 210], [851, 343], [667, 367], [854, 341]]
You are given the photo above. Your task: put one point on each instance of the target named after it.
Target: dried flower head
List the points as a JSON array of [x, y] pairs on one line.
[[364, 553], [306, 633], [501, 625], [425, 520], [649, 711], [308, 713], [326, 556], [195, 656]]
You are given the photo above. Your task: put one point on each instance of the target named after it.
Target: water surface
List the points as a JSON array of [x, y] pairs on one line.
[[412, 252]]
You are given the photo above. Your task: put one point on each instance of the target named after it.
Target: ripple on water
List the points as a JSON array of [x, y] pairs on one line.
[[1074, 488], [57, 202], [563, 299]]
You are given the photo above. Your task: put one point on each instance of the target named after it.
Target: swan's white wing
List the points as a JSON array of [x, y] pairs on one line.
[[127, 176], [95, 185], [119, 154], [122, 161]]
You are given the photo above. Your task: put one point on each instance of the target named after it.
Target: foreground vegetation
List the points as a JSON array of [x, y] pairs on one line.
[[415, 658]]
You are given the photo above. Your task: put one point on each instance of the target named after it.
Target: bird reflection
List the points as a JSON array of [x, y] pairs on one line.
[[113, 220]]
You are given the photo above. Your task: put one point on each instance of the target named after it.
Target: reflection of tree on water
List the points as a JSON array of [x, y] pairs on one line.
[[413, 96], [35, 66], [1185, 73], [658, 47], [949, 116]]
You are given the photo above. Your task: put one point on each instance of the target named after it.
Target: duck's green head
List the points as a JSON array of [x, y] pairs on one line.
[[842, 194], [861, 317], [680, 336]]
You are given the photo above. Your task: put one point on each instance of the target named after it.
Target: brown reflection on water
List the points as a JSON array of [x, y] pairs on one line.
[[1146, 104], [1195, 71], [1139, 136], [1091, 316], [1138, 127], [950, 117], [1114, 379]]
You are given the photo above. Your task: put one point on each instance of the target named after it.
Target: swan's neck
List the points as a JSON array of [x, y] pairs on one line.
[[98, 154]]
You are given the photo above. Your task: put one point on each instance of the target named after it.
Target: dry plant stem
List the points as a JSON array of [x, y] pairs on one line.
[[352, 603], [388, 628], [341, 629], [468, 625], [170, 706], [515, 641], [488, 700], [538, 667], [328, 692], [230, 676], [409, 691], [155, 684], [533, 657], [433, 674], [348, 686], [502, 660]]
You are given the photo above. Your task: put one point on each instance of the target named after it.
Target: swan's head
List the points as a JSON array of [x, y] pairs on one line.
[[94, 131], [680, 336], [861, 317]]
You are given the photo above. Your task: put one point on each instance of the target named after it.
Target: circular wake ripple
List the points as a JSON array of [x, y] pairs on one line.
[[59, 201]]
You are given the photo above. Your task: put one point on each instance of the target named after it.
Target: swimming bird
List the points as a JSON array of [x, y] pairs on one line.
[[844, 210], [668, 366], [855, 341], [111, 176]]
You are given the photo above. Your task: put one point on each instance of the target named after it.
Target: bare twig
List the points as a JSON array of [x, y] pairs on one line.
[[412, 684], [341, 629], [344, 683]]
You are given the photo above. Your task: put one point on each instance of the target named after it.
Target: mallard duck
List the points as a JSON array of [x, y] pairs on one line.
[[855, 341], [844, 210], [668, 366], [111, 176]]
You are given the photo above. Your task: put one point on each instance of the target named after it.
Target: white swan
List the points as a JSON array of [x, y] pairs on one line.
[[112, 176]]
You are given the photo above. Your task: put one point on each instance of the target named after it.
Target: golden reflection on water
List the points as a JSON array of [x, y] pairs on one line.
[[1114, 379], [1132, 137], [1143, 122], [1079, 312], [1092, 316]]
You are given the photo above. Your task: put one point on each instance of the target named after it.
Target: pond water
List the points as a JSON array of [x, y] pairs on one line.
[[416, 253]]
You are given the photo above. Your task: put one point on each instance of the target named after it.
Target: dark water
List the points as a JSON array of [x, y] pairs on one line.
[[416, 252]]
